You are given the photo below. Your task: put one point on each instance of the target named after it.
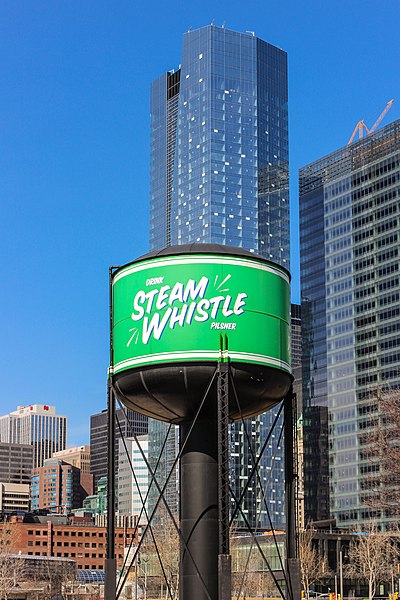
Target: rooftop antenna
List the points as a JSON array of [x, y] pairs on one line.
[[212, 23], [223, 25]]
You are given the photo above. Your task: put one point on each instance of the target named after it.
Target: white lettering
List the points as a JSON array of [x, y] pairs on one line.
[[154, 280], [178, 317], [176, 293], [190, 312], [239, 303], [216, 325], [193, 291], [162, 298], [182, 304], [202, 308], [226, 311], [150, 297], [155, 325], [215, 305], [140, 297]]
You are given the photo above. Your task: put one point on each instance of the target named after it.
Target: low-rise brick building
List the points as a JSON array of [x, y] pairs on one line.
[[85, 544]]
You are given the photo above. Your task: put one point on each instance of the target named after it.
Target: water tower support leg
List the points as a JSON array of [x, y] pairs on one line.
[[110, 561], [224, 558], [292, 562]]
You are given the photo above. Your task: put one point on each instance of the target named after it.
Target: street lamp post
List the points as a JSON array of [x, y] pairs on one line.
[[136, 577], [341, 572]]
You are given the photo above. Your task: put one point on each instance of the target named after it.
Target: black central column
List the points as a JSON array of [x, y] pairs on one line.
[[199, 505]]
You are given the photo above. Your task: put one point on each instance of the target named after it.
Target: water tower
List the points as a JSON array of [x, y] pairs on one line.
[[189, 323]]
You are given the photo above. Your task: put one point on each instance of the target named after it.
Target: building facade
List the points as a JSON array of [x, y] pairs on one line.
[[37, 425], [57, 487], [349, 223], [14, 497], [133, 477], [219, 174], [79, 457], [85, 544], [16, 462], [96, 504], [128, 422]]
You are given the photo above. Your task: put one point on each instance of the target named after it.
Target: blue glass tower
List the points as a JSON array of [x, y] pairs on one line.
[[219, 174], [349, 207]]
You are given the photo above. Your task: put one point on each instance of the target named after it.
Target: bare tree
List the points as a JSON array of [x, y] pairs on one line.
[[371, 557], [165, 550], [381, 449], [313, 566], [12, 566], [250, 578]]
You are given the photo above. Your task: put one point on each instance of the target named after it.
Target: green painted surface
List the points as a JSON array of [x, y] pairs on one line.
[[174, 309]]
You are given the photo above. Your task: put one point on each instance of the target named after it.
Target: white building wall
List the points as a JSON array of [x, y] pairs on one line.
[[133, 487]]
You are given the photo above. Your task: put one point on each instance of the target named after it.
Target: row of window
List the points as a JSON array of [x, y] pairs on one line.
[[73, 533], [59, 555]]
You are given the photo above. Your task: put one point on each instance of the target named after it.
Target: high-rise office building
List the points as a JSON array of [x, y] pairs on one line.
[[37, 425], [219, 174], [349, 224], [133, 477], [56, 486], [16, 463], [79, 456], [296, 353], [128, 422]]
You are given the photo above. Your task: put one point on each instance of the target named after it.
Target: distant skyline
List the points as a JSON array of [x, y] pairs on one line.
[[74, 158]]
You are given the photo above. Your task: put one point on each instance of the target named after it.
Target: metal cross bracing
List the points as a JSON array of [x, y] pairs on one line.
[[255, 472], [225, 383], [161, 491]]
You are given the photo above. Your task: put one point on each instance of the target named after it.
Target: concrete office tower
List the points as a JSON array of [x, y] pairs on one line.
[[219, 174], [16, 462], [349, 224], [130, 422], [37, 425], [133, 486]]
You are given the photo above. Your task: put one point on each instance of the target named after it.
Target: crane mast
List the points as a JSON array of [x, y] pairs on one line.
[[361, 126]]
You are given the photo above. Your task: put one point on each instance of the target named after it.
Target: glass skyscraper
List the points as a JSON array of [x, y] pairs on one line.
[[37, 425], [219, 174], [349, 224]]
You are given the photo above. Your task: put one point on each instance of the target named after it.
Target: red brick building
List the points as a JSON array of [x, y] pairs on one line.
[[59, 486], [85, 544]]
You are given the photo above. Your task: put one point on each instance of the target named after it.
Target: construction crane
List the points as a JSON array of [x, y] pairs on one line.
[[361, 126]]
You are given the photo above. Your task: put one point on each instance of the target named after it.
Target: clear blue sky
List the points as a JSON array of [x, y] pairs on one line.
[[74, 156]]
